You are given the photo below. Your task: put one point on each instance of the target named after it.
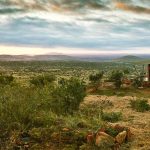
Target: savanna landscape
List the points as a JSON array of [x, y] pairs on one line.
[[71, 105], [74, 74]]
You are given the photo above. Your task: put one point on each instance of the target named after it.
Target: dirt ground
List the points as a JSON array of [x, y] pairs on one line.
[[139, 122]]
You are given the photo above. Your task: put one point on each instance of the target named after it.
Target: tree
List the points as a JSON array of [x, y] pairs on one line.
[[116, 77], [95, 79], [67, 96]]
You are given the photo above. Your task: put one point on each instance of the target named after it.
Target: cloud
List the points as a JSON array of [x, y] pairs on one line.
[[136, 9], [98, 24]]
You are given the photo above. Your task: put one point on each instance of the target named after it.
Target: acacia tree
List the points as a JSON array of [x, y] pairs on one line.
[[117, 77]]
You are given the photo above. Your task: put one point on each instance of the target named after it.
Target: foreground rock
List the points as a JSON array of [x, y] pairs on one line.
[[121, 137], [103, 140]]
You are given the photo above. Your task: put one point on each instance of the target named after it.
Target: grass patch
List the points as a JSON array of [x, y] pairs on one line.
[[111, 116], [140, 105]]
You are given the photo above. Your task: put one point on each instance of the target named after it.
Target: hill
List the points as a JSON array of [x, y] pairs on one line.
[[129, 58]]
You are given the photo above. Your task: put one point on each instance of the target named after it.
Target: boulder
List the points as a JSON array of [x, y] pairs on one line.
[[104, 141], [121, 137]]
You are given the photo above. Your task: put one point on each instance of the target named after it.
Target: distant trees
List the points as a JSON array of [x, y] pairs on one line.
[[67, 96], [42, 80], [117, 77]]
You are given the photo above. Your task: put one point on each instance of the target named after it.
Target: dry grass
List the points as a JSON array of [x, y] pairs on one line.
[[137, 121]]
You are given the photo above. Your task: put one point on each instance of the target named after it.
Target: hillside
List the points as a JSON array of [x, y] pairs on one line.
[[129, 58]]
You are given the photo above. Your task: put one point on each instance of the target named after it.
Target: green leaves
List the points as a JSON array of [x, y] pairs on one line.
[[67, 96]]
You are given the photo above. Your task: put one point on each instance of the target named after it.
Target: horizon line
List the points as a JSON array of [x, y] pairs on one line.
[[33, 50]]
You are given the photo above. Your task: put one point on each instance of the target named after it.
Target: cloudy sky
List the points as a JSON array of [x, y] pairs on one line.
[[74, 26]]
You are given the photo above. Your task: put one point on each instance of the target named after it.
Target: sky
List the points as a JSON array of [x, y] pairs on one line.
[[75, 26]]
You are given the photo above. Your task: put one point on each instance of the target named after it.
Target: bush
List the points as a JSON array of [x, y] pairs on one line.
[[22, 107], [67, 96], [96, 77], [6, 79], [111, 117], [140, 105], [116, 77], [42, 80], [137, 82]]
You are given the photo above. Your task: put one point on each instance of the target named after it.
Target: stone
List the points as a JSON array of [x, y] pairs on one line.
[[103, 140], [65, 129], [90, 138], [129, 135], [119, 128], [121, 137]]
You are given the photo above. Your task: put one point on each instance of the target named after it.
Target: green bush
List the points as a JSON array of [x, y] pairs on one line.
[[111, 117], [6, 79], [96, 77], [42, 80], [116, 77], [140, 105], [67, 96], [22, 107], [137, 82]]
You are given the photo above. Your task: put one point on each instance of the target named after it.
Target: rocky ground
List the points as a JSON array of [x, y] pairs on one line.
[[138, 122]]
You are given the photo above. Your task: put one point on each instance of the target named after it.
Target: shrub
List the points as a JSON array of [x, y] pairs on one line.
[[22, 107], [42, 80], [137, 82], [111, 117], [6, 79], [140, 105], [67, 96], [116, 77], [96, 77]]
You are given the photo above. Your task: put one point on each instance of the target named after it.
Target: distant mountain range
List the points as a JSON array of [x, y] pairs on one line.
[[61, 57], [34, 58]]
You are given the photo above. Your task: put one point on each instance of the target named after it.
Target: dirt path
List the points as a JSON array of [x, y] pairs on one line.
[[137, 121]]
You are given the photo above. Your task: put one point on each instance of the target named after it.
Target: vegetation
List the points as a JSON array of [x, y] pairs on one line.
[[67, 96], [42, 103], [6, 79], [111, 117], [42, 80], [96, 77], [140, 105], [117, 77]]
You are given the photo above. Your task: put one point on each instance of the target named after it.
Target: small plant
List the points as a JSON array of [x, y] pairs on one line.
[[111, 117], [140, 105]]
